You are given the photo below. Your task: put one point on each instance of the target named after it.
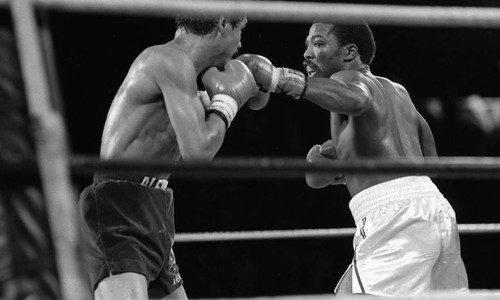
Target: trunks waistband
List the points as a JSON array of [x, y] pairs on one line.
[[149, 181], [410, 187]]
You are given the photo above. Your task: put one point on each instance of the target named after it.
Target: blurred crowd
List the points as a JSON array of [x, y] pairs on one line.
[[464, 126]]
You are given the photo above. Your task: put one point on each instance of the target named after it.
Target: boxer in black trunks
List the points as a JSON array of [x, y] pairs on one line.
[[158, 113]]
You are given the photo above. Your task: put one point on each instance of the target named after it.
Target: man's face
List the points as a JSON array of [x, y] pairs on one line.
[[323, 56], [233, 39]]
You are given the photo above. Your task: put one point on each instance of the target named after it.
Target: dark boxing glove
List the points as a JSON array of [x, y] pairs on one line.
[[229, 89]]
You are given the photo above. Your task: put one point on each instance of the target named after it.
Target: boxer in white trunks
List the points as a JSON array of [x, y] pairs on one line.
[[406, 240]]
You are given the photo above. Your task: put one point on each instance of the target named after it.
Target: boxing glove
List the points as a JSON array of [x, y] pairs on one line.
[[320, 180], [291, 82], [276, 80], [229, 89], [328, 150], [262, 97]]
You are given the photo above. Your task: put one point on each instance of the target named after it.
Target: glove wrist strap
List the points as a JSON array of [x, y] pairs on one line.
[[225, 106], [304, 90], [275, 78], [294, 83]]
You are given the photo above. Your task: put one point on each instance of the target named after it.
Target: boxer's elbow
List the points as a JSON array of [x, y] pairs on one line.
[[197, 151], [200, 146]]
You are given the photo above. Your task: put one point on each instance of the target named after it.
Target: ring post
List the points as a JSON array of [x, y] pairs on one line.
[[52, 153]]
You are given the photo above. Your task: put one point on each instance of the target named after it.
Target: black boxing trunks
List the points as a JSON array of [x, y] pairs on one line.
[[128, 226]]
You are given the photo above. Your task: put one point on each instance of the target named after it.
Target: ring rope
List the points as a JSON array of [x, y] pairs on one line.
[[435, 295], [450, 167], [288, 12], [487, 228], [223, 168], [445, 167]]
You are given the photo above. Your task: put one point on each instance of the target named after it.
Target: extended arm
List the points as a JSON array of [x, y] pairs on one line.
[[344, 92]]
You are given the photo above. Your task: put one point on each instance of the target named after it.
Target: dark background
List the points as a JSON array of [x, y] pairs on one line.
[[93, 53]]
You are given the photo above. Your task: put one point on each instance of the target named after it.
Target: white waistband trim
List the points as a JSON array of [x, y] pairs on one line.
[[397, 189]]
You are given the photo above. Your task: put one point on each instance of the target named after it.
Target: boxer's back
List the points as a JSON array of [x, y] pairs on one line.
[[138, 124], [389, 129]]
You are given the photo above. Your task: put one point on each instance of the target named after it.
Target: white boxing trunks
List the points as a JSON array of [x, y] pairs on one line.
[[406, 240]]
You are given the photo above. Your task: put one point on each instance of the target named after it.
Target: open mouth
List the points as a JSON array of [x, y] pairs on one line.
[[310, 71], [310, 68]]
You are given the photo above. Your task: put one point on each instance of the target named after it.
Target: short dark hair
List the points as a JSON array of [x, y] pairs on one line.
[[204, 26], [359, 34]]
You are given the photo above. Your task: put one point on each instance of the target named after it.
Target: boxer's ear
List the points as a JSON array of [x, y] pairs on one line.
[[350, 52]]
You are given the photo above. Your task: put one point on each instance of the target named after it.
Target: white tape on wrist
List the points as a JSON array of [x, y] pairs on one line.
[[226, 105], [275, 78]]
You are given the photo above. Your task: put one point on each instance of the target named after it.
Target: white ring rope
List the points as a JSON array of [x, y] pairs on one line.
[[290, 11], [306, 233], [436, 295]]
